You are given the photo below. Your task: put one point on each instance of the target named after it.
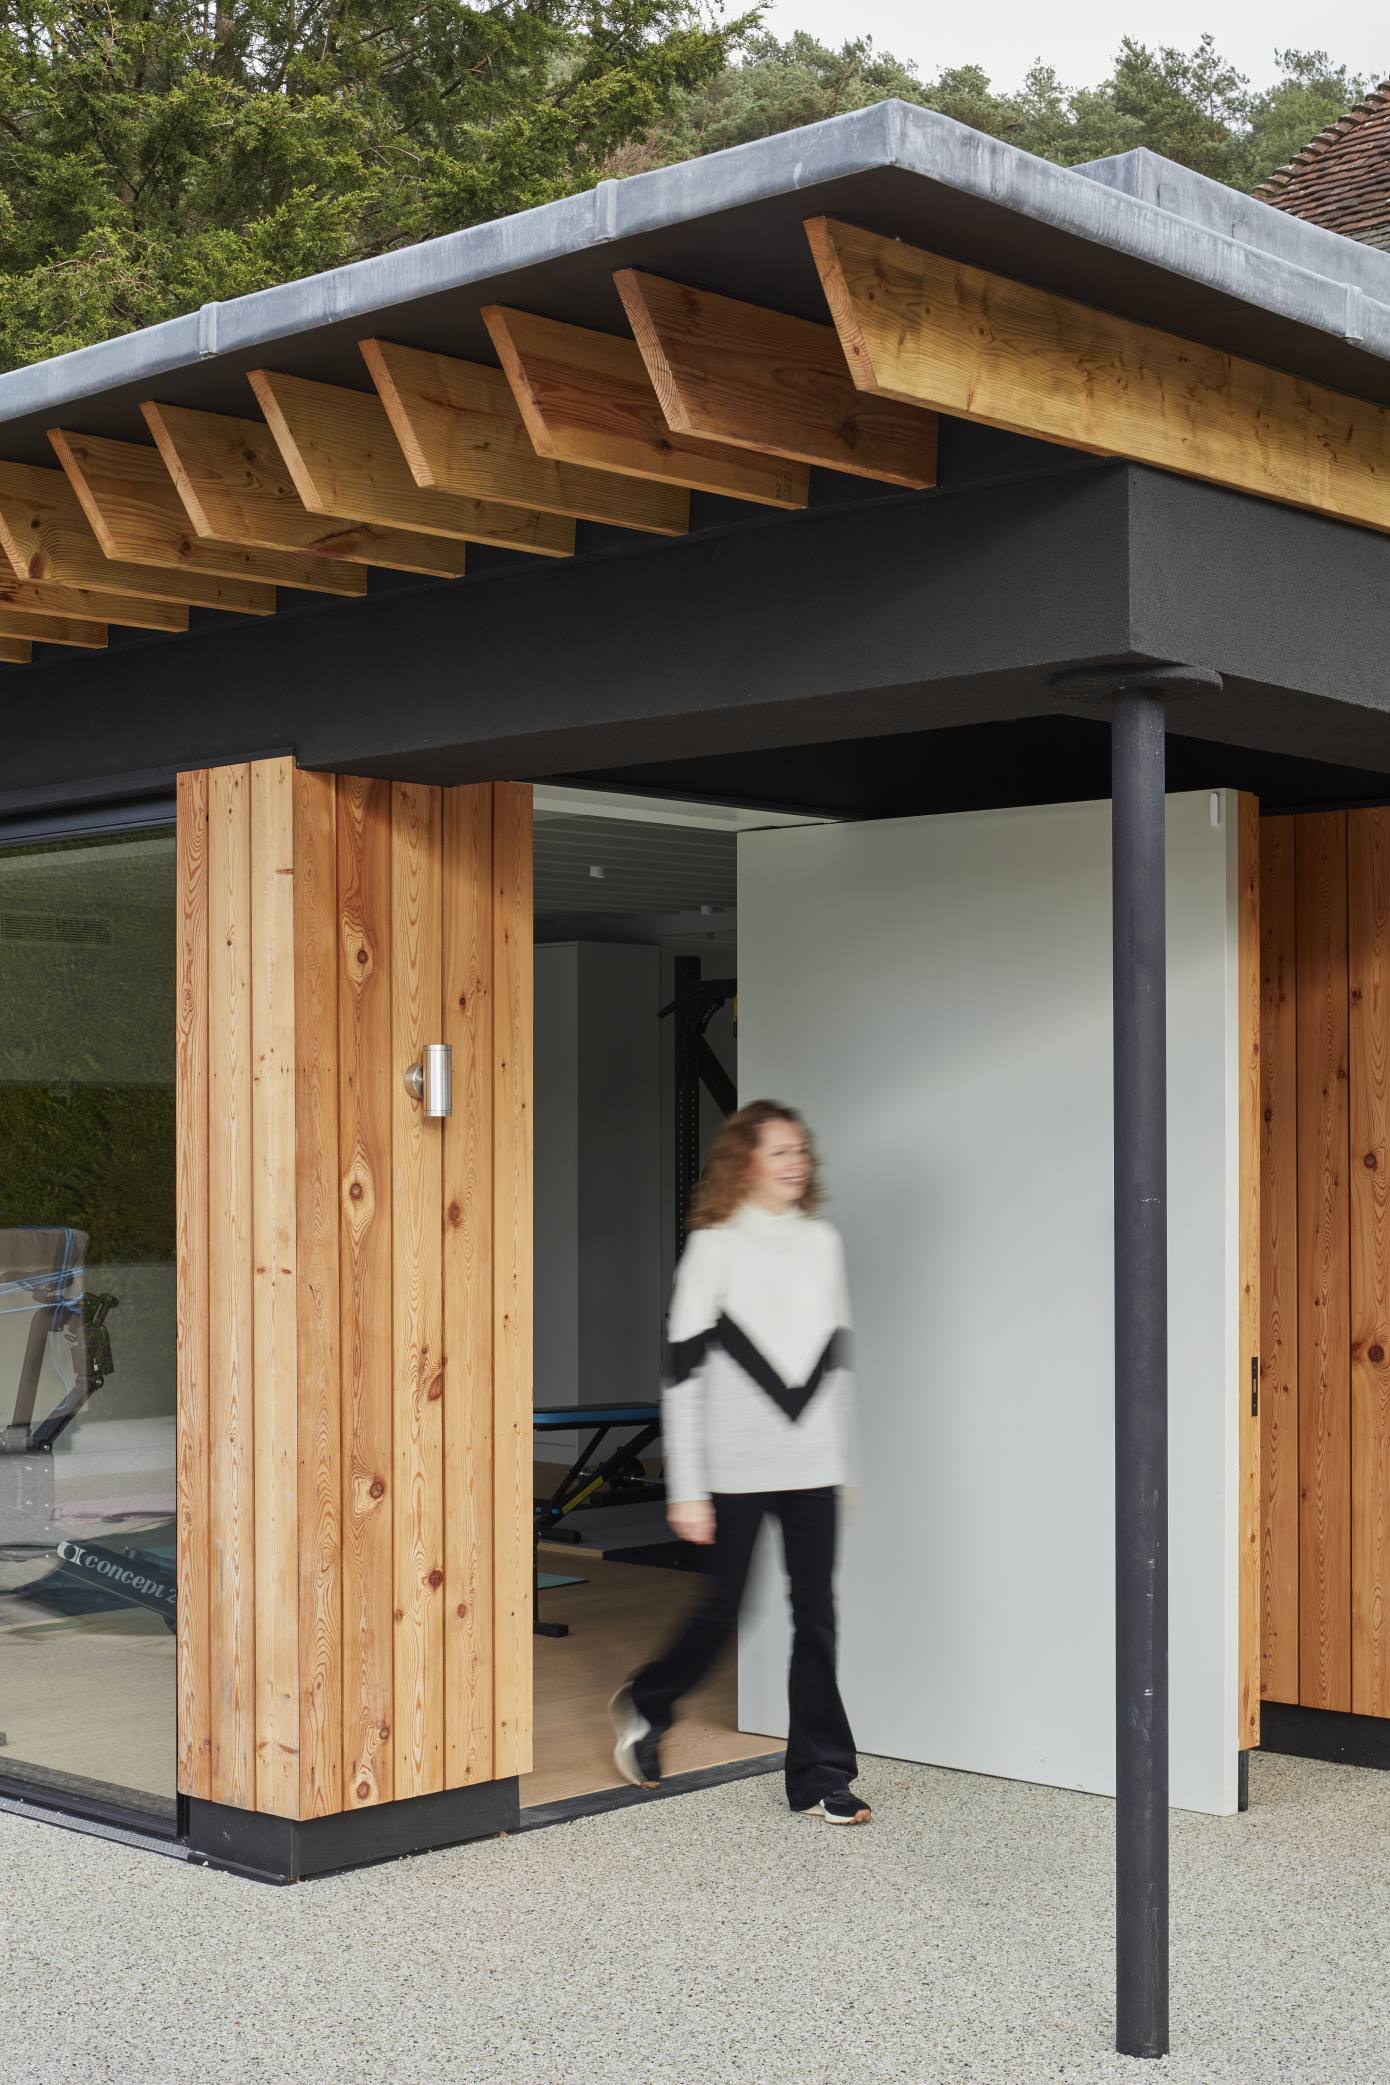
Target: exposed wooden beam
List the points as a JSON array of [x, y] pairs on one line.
[[234, 486], [129, 498], [86, 603], [48, 539], [738, 373], [339, 448], [15, 651], [461, 430], [52, 629], [919, 328], [586, 398]]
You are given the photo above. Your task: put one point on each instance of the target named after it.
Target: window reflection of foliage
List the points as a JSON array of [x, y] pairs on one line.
[[87, 1137], [97, 1158]]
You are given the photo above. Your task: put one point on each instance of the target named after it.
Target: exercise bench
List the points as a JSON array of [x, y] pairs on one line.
[[579, 1483]]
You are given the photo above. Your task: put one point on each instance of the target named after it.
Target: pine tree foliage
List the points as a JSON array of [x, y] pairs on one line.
[[155, 154], [158, 154], [1191, 106]]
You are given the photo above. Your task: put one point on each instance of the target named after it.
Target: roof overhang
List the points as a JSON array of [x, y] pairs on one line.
[[1136, 236], [874, 611]]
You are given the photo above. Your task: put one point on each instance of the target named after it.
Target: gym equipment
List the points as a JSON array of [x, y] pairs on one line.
[[697, 1001], [54, 1337], [621, 1471]]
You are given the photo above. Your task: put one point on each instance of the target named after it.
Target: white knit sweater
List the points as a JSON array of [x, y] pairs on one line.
[[758, 1394]]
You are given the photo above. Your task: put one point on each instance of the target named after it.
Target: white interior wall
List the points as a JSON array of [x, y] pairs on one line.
[[935, 993], [556, 1106]]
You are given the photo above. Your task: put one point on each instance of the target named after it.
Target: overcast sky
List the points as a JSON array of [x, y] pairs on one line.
[[1008, 35]]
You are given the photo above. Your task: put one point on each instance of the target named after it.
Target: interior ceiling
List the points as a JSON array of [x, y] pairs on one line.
[[642, 869]]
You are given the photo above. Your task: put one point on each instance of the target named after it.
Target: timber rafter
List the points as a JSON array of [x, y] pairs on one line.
[[693, 392]]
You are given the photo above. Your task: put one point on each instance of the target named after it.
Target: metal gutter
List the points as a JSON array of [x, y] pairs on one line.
[[1307, 276], [1201, 201]]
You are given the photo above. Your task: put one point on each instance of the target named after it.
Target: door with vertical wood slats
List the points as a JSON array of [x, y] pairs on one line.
[[1325, 1335], [354, 1289]]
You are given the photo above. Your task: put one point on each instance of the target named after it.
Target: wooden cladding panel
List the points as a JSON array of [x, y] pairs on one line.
[[232, 1636], [1368, 974], [365, 1103], [316, 1193], [355, 1365], [1320, 904], [467, 1197], [1325, 1048], [1248, 969], [274, 1286], [418, 1518], [1279, 1279], [513, 971], [191, 1273]]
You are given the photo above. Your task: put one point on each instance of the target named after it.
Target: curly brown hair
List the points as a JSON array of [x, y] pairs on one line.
[[724, 1181]]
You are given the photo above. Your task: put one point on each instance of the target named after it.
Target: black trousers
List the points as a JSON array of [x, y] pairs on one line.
[[820, 1746]]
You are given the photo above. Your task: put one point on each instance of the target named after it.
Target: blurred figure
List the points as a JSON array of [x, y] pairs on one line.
[[755, 1419]]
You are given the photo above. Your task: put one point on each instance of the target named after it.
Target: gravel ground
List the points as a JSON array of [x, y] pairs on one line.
[[964, 1938]]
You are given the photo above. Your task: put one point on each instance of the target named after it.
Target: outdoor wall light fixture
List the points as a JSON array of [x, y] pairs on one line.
[[431, 1080]]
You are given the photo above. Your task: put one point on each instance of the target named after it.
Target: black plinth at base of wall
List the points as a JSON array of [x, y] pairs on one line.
[[283, 1849], [1325, 1734]]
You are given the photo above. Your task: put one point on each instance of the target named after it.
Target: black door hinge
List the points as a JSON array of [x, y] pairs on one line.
[[1254, 1386]]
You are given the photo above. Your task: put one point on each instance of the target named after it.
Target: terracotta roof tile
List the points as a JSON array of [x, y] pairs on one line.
[[1342, 179]]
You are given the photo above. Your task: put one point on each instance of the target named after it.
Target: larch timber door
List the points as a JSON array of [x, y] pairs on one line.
[[1325, 1050], [354, 1423]]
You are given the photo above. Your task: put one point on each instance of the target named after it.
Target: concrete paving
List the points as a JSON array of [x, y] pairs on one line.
[[963, 1938]]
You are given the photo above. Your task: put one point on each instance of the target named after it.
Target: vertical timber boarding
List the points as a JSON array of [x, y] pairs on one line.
[[354, 1289], [1248, 1146], [1325, 1042]]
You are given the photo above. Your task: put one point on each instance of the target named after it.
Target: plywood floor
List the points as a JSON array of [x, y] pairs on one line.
[[619, 1617]]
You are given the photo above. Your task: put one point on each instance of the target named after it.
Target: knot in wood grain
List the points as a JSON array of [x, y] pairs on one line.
[[1375, 1355], [436, 1577], [377, 1489], [1370, 1161], [364, 1789]]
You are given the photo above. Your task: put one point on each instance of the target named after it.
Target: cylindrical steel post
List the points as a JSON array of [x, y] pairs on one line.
[[1141, 1375]]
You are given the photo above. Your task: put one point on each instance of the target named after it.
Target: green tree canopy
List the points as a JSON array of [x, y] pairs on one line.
[[1188, 105], [158, 153], [155, 154]]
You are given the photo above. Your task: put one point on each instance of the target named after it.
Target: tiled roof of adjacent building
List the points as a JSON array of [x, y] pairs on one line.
[[1342, 179]]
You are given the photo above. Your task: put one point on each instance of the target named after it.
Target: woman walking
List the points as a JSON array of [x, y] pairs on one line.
[[755, 1420]]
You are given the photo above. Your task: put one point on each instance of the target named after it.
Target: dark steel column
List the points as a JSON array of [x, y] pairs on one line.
[[1141, 1375]]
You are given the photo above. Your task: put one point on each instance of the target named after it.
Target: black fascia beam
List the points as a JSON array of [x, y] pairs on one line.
[[904, 614], [1291, 608], [835, 622]]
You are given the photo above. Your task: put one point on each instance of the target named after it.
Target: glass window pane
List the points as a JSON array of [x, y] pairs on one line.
[[87, 1357]]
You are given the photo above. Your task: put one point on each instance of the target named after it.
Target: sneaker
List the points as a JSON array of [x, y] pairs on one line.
[[843, 1807], [637, 1754]]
